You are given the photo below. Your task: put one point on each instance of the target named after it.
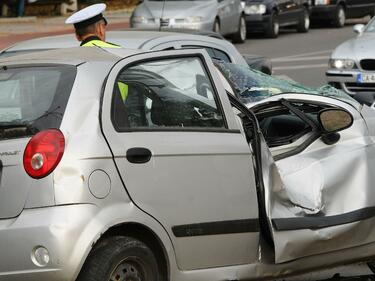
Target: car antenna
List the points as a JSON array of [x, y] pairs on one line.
[[161, 17]]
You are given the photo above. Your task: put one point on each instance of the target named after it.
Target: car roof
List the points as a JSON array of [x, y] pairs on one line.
[[72, 56], [133, 39]]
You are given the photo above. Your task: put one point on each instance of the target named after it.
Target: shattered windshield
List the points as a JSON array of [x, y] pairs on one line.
[[252, 86]]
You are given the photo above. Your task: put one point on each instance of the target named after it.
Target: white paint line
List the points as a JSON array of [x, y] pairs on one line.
[[285, 77], [301, 59], [307, 54], [306, 66]]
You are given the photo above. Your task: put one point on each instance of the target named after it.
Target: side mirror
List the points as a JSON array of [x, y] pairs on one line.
[[358, 28], [334, 120]]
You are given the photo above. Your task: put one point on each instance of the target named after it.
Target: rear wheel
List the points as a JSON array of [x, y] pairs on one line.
[[120, 259], [304, 22], [240, 35], [272, 30], [340, 17]]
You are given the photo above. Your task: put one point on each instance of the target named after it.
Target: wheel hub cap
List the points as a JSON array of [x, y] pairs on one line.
[[307, 22], [127, 271], [342, 17], [243, 29]]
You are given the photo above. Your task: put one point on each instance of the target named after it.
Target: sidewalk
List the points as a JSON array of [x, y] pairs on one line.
[[13, 30]]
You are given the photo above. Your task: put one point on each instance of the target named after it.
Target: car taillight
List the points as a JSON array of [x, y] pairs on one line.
[[43, 153]]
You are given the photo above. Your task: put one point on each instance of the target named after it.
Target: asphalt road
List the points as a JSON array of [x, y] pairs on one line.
[[301, 57]]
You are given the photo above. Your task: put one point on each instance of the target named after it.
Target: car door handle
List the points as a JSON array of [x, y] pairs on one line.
[[138, 155]]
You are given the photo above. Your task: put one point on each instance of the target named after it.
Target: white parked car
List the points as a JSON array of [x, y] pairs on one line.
[[151, 40], [352, 64], [222, 16]]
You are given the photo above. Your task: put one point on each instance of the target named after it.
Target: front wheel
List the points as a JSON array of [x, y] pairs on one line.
[[272, 30], [240, 35], [120, 259], [340, 17], [304, 22]]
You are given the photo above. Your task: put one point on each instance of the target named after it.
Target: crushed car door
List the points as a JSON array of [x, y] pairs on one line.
[[319, 195], [182, 159]]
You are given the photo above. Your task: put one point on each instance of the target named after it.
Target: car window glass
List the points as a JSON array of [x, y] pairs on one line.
[[165, 93], [33, 98], [212, 52]]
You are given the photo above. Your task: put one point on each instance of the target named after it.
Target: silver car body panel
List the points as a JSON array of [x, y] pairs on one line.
[[304, 221], [228, 151]]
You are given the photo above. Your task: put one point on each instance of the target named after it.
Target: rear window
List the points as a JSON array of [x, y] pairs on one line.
[[33, 98]]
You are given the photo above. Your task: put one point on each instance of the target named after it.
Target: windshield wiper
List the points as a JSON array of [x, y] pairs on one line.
[[47, 113], [16, 129]]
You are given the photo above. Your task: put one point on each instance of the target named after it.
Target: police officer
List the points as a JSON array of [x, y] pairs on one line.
[[90, 26]]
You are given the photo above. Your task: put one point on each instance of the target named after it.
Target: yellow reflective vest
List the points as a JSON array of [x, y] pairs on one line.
[[100, 43], [123, 88]]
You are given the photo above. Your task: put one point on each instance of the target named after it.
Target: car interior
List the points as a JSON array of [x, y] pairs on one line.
[[154, 102]]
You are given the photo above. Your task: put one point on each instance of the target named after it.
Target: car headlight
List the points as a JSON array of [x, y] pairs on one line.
[[322, 2], [142, 19], [194, 19], [258, 9], [341, 63]]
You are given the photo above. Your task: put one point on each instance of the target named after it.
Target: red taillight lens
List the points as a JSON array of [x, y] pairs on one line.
[[43, 153]]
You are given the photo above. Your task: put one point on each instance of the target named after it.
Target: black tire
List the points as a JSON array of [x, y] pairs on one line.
[[124, 257], [372, 12], [216, 27], [304, 21], [240, 35], [272, 29], [339, 17]]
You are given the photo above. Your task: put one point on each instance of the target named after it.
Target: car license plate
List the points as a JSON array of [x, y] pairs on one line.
[[366, 78]]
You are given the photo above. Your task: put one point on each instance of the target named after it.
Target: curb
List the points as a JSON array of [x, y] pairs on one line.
[[18, 20]]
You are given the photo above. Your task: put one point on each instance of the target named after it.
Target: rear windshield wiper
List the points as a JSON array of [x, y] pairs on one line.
[[16, 129]]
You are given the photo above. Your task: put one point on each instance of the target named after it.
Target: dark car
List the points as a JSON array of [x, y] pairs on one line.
[[337, 11], [268, 16]]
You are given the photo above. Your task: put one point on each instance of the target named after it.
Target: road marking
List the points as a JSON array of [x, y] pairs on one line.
[[306, 66], [286, 77], [307, 54], [300, 59]]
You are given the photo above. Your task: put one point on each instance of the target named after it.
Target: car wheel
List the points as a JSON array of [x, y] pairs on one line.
[[216, 27], [240, 35], [340, 16], [304, 22], [372, 12], [120, 258], [273, 28]]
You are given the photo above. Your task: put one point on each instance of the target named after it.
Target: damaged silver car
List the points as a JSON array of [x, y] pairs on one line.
[[133, 165]]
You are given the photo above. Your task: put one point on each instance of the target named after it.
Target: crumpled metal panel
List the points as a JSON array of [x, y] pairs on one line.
[[323, 183]]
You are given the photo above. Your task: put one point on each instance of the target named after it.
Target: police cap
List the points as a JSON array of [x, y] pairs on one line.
[[87, 16]]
